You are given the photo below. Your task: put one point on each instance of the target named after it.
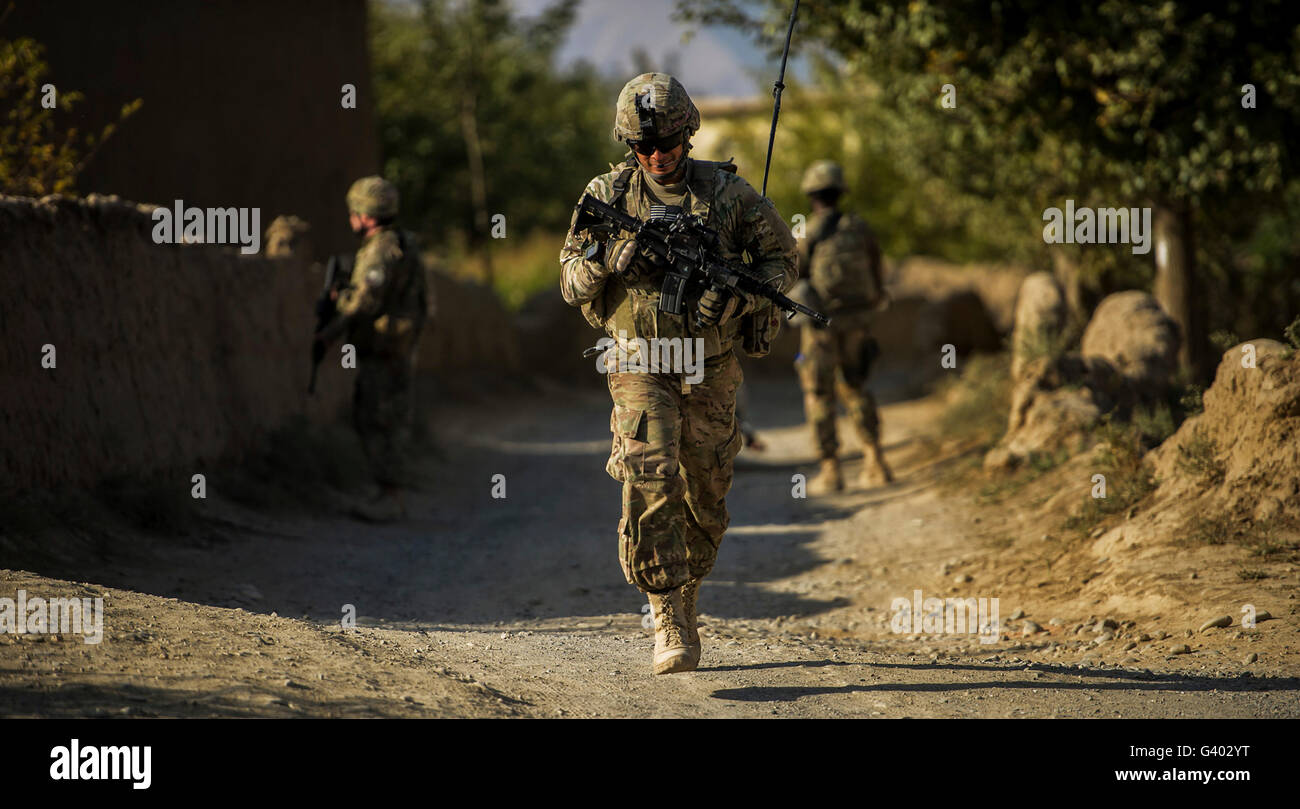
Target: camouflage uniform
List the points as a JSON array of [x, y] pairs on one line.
[[384, 308], [674, 443], [842, 262]]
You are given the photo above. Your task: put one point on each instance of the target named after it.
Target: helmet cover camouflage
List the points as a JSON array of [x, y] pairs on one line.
[[654, 105], [822, 176], [373, 196]]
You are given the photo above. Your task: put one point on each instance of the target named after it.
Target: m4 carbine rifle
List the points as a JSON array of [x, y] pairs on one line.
[[690, 249], [338, 274]]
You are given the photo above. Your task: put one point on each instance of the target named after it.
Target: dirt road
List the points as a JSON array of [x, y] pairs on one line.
[[515, 606]]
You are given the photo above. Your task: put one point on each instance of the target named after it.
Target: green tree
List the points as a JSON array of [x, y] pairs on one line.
[[1116, 103], [838, 116], [476, 119]]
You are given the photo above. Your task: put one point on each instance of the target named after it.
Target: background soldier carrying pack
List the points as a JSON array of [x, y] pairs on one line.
[[840, 259], [382, 312]]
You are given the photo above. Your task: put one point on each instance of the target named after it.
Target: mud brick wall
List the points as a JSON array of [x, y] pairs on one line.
[[165, 354], [471, 335], [171, 354]]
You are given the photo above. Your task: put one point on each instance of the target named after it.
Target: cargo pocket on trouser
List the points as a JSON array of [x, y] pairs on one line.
[[624, 422], [626, 455], [853, 355], [720, 481], [644, 459], [730, 448]]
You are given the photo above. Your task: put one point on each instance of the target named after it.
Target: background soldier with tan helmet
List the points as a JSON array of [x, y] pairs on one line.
[[841, 263], [381, 312], [674, 442]]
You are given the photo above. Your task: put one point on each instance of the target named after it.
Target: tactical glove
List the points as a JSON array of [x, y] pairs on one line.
[[620, 256], [717, 306]]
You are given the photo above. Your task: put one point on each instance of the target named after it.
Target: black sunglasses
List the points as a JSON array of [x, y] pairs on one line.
[[665, 145]]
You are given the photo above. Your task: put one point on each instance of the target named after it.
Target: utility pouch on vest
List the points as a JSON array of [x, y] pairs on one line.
[[758, 330]]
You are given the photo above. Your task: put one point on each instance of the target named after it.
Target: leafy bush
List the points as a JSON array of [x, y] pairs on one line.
[[37, 157], [1118, 456], [979, 401], [1197, 458]]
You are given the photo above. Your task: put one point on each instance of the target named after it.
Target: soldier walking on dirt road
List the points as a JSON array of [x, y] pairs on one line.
[[382, 311], [675, 438], [841, 264]]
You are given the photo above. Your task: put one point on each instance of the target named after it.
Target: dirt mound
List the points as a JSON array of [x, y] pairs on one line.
[[1054, 404], [1221, 530], [1241, 456], [1205, 526]]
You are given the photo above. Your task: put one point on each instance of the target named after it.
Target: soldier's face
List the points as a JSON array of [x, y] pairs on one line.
[[660, 163], [361, 223]]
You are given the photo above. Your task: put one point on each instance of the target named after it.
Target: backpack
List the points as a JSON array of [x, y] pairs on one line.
[[840, 257]]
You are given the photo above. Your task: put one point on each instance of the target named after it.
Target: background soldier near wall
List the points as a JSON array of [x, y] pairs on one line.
[[382, 311], [674, 443], [840, 261]]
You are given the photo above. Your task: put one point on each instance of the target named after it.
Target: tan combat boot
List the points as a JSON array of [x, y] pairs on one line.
[[828, 480], [690, 596], [875, 472], [672, 653]]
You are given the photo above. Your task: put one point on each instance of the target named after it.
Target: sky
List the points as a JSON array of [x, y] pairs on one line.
[[717, 62]]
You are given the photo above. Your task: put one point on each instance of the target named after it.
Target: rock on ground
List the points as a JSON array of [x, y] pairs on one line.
[[1128, 356], [1040, 317], [1132, 332]]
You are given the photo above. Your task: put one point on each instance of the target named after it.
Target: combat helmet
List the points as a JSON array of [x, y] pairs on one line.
[[824, 175], [373, 196], [652, 106]]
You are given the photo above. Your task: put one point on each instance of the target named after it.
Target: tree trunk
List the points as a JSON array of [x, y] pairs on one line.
[[1175, 282], [1065, 268], [477, 179]]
